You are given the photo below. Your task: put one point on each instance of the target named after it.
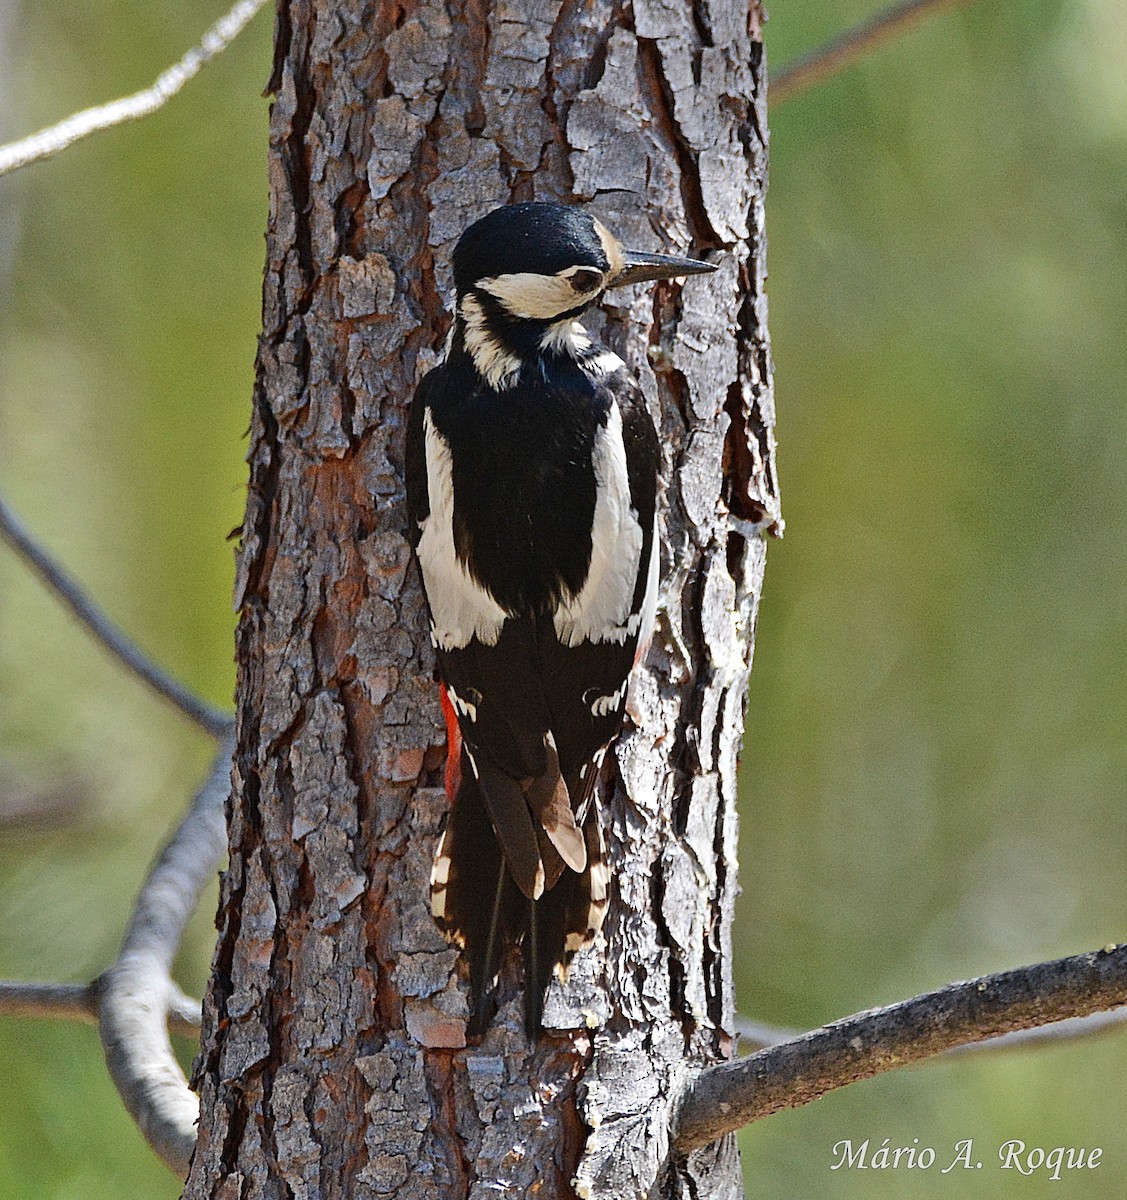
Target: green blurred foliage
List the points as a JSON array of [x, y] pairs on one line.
[[936, 756], [131, 310]]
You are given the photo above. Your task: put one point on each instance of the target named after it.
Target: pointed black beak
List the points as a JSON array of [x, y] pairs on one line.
[[639, 267]]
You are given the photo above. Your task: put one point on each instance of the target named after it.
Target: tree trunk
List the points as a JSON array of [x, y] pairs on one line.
[[334, 1060]]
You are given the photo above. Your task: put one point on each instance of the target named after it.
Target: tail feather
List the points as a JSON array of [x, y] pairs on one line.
[[508, 809], [533, 819], [479, 906], [550, 802], [587, 906], [466, 868], [485, 961], [535, 977], [473, 896], [545, 944]]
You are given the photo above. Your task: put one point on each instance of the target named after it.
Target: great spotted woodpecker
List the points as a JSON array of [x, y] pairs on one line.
[[531, 491]]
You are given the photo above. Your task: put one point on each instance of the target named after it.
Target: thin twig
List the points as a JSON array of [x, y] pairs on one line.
[[802, 73], [754, 1035], [216, 723], [1073, 1029], [79, 1002], [50, 141], [136, 993], [60, 1001], [723, 1098]]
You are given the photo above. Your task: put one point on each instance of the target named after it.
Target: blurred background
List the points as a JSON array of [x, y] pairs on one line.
[[936, 759]]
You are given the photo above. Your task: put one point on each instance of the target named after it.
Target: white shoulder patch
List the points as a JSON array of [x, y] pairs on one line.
[[601, 610], [460, 607], [648, 616]]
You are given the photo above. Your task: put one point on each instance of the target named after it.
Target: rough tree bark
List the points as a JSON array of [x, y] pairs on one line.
[[334, 1060]]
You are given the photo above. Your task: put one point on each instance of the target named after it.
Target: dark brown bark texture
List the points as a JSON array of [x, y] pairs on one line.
[[334, 1061]]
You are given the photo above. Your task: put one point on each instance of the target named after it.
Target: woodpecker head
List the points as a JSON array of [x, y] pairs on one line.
[[525, 272]]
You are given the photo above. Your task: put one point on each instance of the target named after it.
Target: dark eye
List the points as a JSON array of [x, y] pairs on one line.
[[585, 280]]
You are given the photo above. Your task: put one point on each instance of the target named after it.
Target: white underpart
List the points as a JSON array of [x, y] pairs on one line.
[[460, 608], [494, 363], [601, 610]]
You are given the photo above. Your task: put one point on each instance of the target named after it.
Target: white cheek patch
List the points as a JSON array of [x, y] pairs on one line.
[[601, 610], [531, 296], [534, 297], [460, 608]]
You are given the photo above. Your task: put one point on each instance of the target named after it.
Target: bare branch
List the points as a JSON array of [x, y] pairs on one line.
[[79, 1002], [136, 993], [728, 1096], [754, 1035], [135, 1002], [185, 1013], [1073, 1029], [849, 47], [113, 639], [48, 142], [60, 1001]]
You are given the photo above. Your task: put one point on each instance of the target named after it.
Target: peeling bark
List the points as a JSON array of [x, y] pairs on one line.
[[334, 1060]]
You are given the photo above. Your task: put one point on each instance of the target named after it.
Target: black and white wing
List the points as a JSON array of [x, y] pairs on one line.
[[536, 536]]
